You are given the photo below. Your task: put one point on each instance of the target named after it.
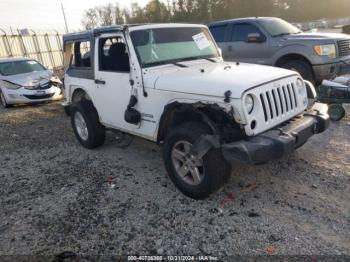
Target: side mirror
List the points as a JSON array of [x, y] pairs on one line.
[[256, 38], [132, 101], [131, 115]]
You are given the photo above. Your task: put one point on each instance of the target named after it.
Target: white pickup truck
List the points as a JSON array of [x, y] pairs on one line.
[[169, 84]]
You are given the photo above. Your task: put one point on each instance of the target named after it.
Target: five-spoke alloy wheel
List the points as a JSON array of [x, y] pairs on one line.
[[195, 177], [86, 125]]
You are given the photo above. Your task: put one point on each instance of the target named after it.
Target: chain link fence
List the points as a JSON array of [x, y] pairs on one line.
[[45, 47]]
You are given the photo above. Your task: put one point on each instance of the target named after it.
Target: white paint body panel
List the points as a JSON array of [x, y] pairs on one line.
[[200, 81], [214, 79]]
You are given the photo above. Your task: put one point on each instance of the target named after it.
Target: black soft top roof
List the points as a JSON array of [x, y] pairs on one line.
[[88, 34]]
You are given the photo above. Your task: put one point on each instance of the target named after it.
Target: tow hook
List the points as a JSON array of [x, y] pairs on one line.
[[282, 133], [318, 112]]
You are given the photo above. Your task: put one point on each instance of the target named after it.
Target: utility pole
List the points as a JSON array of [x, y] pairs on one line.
[[64, 17]]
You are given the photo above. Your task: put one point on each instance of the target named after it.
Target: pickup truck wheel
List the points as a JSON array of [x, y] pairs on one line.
[[196, 178], [336, 112], [302, 67], [85, 122]]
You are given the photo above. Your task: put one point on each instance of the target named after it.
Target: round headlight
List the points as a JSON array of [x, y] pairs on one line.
[[249, 103], [300, 85]]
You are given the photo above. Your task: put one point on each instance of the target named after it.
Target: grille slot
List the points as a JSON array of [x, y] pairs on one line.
[[263, 106], [270, 104], [35, 97], [275, 102], [280, 97], [286, 101], [279, 101], [290, 97], [294, 95], [344, 47]]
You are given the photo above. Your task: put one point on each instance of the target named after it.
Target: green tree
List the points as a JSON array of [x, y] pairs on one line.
[[90, 19], [203, 11], [156, 12]]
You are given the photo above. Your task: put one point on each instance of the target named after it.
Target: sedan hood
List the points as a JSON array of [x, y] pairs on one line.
[[29, 79], [212, 79]]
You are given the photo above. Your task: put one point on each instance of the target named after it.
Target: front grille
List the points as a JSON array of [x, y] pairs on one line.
[[344, 47], [33, 97], [42, 86], [278, 101]]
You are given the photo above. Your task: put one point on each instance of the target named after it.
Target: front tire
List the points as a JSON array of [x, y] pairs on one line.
[[85, 122], [336, 112], [196, 178], [3, 101], [302, 67]]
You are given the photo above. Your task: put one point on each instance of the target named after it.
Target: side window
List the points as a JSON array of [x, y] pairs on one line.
[[113, 55], [81, 55], [218, 32], [240, 32]]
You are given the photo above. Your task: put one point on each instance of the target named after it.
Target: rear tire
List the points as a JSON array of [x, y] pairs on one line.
[[302, 67], [3, 101], [86, 125], [211, 172], [336, 112]]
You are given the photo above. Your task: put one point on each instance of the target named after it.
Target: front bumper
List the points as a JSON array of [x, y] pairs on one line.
[[26, 96], [66, 107], [280, 141], [329, 70]]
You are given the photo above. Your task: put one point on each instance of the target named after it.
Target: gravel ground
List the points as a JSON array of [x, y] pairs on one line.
[[57, 196]]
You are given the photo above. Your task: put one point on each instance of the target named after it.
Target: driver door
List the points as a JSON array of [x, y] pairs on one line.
[[113, 89], [242, 49]]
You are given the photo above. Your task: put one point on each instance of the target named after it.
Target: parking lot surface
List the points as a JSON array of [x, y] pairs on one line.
[[57, 196]]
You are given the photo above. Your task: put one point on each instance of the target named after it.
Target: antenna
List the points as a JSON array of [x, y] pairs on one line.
[[64, 17]]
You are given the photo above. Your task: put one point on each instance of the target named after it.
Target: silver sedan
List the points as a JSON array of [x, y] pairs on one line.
[[24, 80]]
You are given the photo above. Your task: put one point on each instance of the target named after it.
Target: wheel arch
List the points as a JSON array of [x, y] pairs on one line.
[[296, 57], [78, 94], [177, 113], [291, 56]]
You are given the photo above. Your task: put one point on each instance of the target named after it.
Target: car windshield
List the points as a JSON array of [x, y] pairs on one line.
[[20, 67], [171, 45], [278, 27]]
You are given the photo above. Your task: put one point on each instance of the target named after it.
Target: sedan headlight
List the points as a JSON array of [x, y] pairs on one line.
[[326, 50], [249, 103], [9, 85]]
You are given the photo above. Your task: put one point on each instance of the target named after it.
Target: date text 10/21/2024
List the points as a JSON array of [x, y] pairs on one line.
[[172, 258]]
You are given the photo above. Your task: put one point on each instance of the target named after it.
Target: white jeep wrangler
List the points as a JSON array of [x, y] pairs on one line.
[[169, 84]]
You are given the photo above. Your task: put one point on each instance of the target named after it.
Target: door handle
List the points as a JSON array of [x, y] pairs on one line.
[[100, 82], [230, 49]]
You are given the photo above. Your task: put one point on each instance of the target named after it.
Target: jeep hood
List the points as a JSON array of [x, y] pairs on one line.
[[212, 79]]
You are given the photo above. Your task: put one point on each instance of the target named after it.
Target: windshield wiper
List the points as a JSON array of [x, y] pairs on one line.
[[179, 65], [197, 58], [176, 61], [210, 60], [164, 63]]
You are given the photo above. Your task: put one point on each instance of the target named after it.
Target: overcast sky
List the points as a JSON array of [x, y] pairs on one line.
[[47, 14]]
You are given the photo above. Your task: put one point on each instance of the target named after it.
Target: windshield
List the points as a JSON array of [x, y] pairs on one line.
[[170, 45], [278, 27], [20, 67]]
